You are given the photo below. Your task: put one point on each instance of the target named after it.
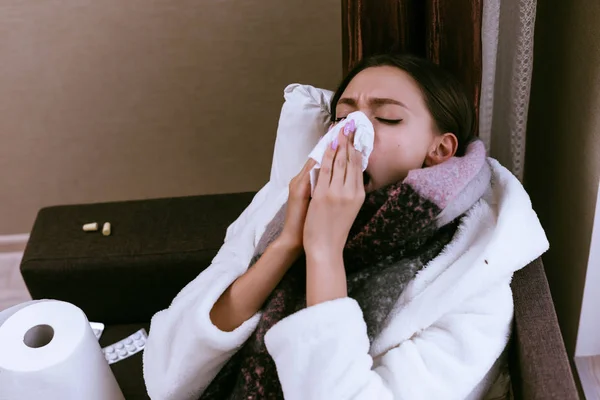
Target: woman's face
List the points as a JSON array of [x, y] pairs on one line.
[[404, 129]]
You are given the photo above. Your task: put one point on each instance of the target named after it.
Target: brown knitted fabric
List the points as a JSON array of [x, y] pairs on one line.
[[393, 237]]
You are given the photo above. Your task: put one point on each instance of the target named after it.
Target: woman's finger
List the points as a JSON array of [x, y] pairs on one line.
[[357, 169], [307, 167], [303, 176], [354, 164], [350, 132], [326, 167], [340, 162], [349, 156]]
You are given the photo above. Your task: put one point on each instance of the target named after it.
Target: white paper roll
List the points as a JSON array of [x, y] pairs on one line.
[[48, 351]]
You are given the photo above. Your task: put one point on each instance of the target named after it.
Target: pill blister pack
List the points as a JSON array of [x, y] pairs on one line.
[[97, 328], [127, 347]]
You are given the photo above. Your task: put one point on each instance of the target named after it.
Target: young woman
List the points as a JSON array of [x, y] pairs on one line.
[[388, 284]]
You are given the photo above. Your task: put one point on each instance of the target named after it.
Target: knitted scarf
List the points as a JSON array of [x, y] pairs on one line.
[[398, 230]]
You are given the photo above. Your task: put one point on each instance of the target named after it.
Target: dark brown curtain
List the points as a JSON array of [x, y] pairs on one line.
[[447, 32]]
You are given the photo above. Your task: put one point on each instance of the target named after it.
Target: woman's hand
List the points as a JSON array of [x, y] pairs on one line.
[[338, 196], [295, 215]]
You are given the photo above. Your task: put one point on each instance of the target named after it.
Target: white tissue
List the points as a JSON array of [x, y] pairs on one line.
[[70, 366], [363, 141]]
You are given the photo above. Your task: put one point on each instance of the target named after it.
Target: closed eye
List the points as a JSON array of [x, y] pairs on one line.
[[383, 120], [389, 121]]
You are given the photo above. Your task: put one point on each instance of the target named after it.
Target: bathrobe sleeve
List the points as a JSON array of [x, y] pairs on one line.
[[322, 352], [185, 351]]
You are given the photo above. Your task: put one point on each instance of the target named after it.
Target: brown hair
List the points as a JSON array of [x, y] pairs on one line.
[[447, 101]]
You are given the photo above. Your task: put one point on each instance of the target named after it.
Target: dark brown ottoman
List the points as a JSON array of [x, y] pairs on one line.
[[156, 247]]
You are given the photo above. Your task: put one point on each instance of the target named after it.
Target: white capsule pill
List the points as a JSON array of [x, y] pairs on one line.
[[119, 346], [106, 229], [91, 227]]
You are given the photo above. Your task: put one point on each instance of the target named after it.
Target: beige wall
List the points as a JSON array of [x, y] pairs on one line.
[[123, 99], [563, 145]]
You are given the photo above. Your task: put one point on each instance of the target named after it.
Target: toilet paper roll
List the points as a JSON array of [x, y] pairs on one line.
[[49, 351]]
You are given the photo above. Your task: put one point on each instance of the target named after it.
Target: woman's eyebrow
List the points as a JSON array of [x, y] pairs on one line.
[[377, 101]]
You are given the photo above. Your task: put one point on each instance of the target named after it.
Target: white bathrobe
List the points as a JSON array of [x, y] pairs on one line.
[[441, 341]]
